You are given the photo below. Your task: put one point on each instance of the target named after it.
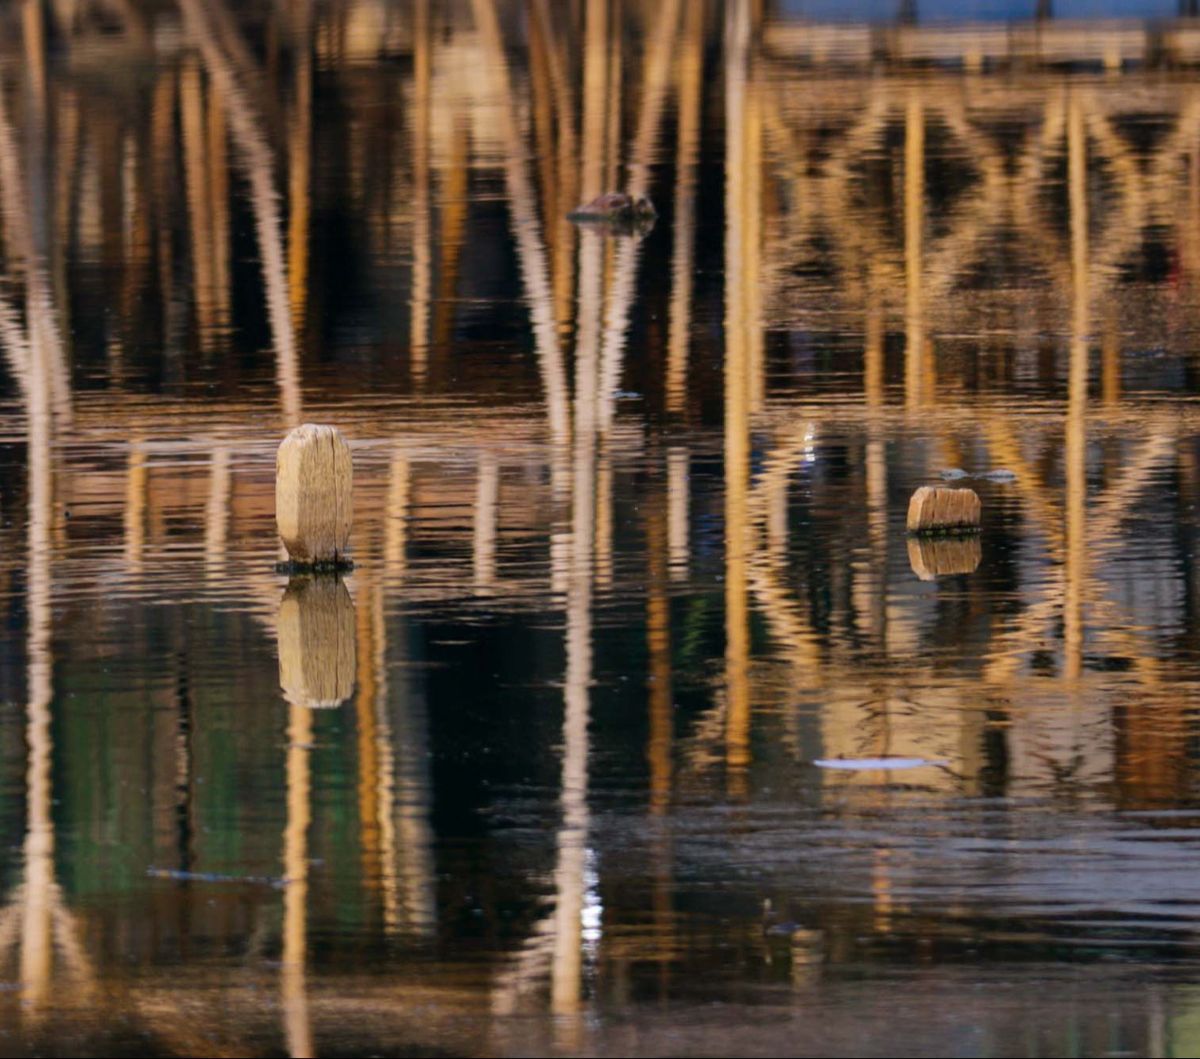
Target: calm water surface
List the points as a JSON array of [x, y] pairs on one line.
[[539, 776]]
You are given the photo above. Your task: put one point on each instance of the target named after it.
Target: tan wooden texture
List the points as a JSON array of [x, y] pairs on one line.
[[313, 494], [316, 641], [935, 508]]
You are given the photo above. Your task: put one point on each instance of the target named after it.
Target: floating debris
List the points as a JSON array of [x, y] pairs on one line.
[[953, 474], [1000, 474], [212, 877], [875, 764], [617, 210]]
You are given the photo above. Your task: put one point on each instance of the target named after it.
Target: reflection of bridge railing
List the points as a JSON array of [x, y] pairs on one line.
[[973, 46]]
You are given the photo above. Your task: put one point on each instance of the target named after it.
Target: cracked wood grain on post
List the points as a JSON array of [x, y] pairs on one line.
[[313, 494]]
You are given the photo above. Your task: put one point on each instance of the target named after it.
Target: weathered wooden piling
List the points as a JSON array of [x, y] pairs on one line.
[[934, 557], [316, 641], [313, 496], [933, 509]]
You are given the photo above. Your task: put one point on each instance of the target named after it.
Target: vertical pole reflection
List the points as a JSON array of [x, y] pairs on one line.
[[39, 888], [299, 164], [530, 249], [293, 991], [567, 960], [678, 496], [691, 61], [1076, 454], [877, 485], [421, 264], [216, 512], [487, 495], [255, 153], [737, 404], [914, 223]]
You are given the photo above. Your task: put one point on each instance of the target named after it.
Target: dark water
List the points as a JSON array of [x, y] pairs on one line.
[[629, 532]]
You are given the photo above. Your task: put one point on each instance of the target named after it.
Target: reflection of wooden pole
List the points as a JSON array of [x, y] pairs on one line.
[[256, 157], [678, 496], [216, 513], [39, 888], [293, 991], [624, 257], [658, 644], [737, 405], [135, 506], [691, 62], [451, 225], [195, 151], [218, 190], [1076, 455], [422, 267], [299, 165], [567, 959], [595, 95], [395, 535], [530, 249], [487, 495], [914, 223]]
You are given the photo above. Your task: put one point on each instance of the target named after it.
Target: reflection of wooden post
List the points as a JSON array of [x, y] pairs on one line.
[[737, 407], [658, 644], [256, 159], [1076, 441], [316, 642], [595, 94], [1110, 363], [530, 249], [40, 888], [914, 222], [877, 483], [299, 165], [682, 251], [135, 506], [567, 961], [421, 261], [293, 991], [216, 512], [195, 151], [678, 496], [395, 535], [487, 495]]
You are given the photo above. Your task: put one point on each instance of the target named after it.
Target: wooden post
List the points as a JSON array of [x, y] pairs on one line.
[[932, 509], [313, 495]]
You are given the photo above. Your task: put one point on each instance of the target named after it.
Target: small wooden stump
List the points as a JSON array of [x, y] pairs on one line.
[[314, 481], [934, 557], [316, 642], [933, 509]]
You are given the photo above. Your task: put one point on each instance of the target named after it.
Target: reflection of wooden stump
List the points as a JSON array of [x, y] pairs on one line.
[[316, 642], [934, 557], [933, 509], [313, 495]]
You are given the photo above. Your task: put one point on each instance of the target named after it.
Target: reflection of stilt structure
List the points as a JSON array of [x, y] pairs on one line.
[[683, 246], [422, 265], [1075, 457], [256, 159], [36, 919], [293, 989], [737, 406]]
